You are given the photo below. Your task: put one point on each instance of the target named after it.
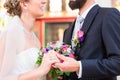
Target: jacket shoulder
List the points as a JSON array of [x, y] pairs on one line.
[[108, 10]]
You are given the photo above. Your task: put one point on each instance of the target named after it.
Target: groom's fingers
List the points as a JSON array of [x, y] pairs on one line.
[[59, 65]]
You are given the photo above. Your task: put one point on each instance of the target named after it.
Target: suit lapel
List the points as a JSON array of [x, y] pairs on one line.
[[69, 32], [90, 18]]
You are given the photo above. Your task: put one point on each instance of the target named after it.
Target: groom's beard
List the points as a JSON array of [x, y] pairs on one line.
[[78, 4]]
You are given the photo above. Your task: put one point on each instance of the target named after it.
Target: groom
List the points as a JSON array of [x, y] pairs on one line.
[[99, 53]]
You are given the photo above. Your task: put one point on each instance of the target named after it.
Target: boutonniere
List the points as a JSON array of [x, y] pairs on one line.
[[78, 38]]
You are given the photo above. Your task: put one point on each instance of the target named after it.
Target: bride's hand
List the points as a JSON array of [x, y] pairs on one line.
[[47, 61]]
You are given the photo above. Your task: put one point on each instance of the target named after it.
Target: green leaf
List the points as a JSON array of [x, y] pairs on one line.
[[38, 62], [67, 73], [54, 73]]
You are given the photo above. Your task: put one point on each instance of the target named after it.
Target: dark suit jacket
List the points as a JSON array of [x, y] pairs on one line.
[[100, 50]]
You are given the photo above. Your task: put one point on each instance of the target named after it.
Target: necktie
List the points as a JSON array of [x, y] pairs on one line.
[[78, 25]]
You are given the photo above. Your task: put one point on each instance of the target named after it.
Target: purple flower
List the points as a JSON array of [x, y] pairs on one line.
[[80, 39], [49, 48]]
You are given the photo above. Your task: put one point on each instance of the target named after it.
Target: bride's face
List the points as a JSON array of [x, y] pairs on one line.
[[36, 7]]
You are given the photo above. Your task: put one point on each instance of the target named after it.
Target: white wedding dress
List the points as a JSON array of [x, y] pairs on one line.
[[25, 61], [16, 56]]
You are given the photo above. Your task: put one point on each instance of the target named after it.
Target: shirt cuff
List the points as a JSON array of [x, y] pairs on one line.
[[79, 74]]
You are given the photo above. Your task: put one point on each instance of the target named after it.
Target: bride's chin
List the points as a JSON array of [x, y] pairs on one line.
[[39, 15]]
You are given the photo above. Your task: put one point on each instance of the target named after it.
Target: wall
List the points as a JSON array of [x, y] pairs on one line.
[[104, 3]]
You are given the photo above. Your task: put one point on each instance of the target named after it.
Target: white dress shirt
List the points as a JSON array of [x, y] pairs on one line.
[[83, 16]]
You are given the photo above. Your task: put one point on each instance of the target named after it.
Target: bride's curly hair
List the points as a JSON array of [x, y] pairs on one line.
[[13, 7]]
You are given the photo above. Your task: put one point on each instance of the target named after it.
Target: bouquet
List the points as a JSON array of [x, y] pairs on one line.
[[60, 48]]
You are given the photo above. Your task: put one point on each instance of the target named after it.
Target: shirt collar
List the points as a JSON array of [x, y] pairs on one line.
[[86, 12]]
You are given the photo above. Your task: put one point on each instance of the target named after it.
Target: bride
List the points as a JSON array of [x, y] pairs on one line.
[[19, 46]]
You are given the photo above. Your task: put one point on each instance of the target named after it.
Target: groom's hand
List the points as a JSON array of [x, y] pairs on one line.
[[68, 64]]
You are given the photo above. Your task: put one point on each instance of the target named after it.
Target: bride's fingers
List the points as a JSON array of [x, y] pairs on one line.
[[51, 57], [54, 66]]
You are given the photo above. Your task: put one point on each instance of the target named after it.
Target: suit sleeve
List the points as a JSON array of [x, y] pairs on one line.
[[108, 66]]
